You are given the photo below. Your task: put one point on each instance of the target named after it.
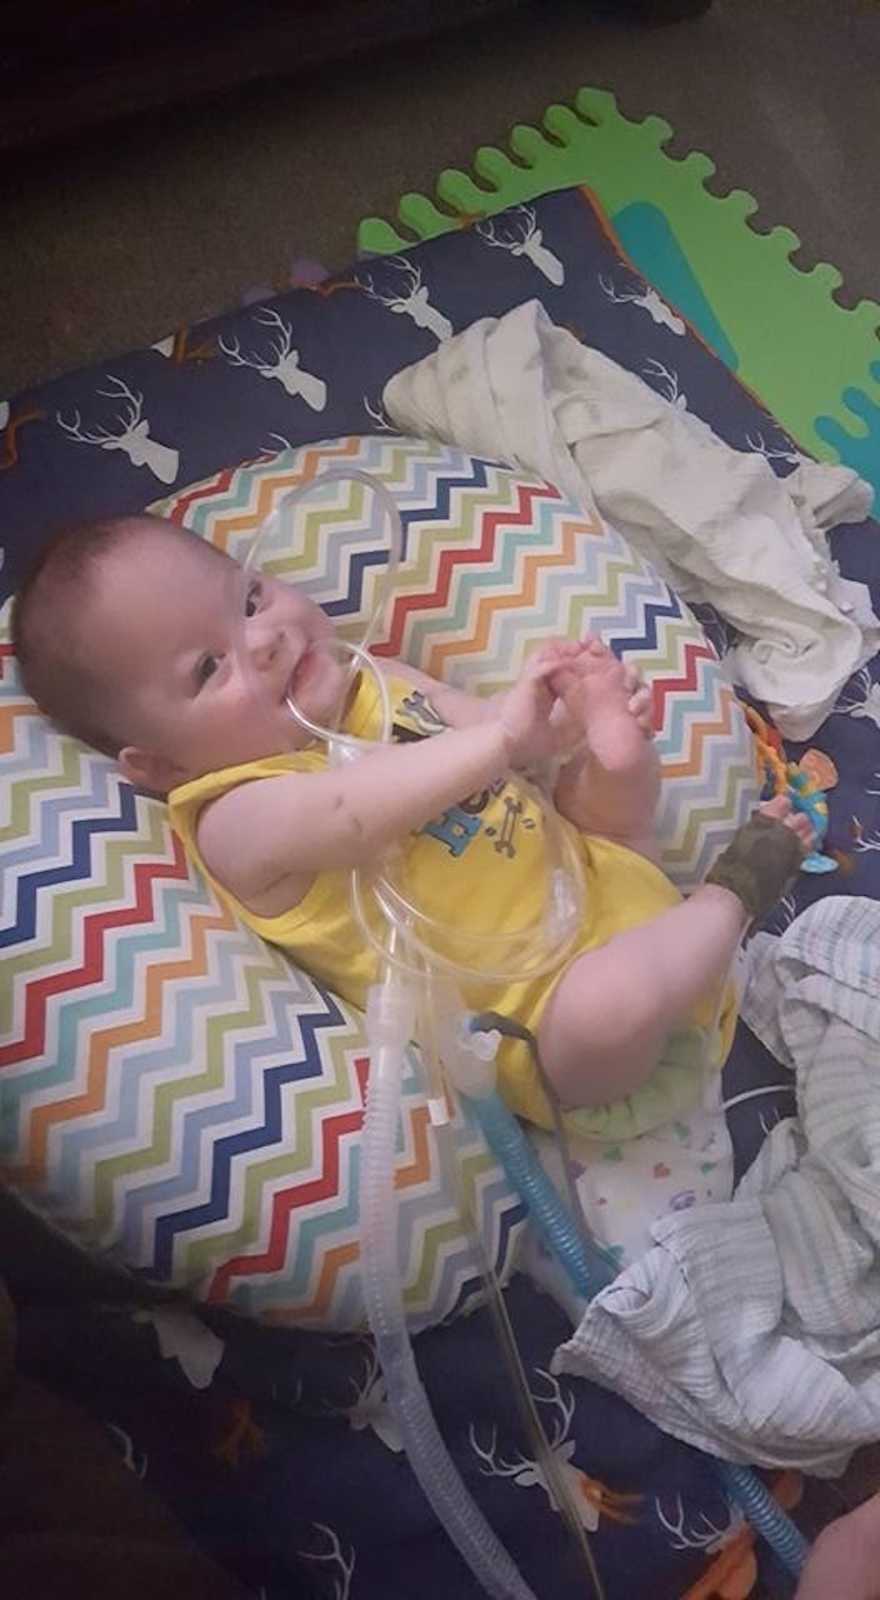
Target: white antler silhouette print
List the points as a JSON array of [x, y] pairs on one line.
[[527, 1474], [134, 439], [528, 241], [377, 415], [667, 383], [371, 1408], [414, 303], [279, 443], [649, 300], [784, 915], [283, 363], [865, 842], [706, 1537], [342, 1576], [788, 453], [136, 1463], [860, 698]]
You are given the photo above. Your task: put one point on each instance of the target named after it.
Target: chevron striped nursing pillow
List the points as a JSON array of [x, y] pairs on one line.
[[171, 1089]]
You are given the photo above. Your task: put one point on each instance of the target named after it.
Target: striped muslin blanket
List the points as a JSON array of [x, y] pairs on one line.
[[752, 1329]]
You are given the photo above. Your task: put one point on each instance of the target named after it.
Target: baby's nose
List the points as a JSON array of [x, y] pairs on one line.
[[265, 644]]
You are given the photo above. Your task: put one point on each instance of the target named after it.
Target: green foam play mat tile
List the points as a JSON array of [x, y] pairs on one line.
[[814, 364]]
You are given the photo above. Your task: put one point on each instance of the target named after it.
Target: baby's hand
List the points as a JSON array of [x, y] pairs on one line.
[[535, 720]]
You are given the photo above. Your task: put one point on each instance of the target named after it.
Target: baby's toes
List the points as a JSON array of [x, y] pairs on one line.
[[591, 646], [632, 678], [641, 706]]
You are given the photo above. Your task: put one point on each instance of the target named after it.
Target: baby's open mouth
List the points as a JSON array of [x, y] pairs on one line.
[[301, 673]]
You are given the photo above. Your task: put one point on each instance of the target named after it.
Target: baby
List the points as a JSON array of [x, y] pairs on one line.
[[156, 648]]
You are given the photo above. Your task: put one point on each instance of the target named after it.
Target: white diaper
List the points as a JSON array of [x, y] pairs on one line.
[[626, 1187]]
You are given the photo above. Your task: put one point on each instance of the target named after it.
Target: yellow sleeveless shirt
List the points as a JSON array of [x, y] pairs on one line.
[[481, 864]]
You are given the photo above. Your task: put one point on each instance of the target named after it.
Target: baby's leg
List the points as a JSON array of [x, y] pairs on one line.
[[605, 1024], [611, 788]]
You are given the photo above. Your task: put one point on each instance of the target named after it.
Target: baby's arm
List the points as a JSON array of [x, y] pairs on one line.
[[304, 823], [292, 826], [460, 709], [456, 707]]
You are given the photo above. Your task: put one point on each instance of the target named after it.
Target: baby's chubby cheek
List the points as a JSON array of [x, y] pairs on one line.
[[320, 625]]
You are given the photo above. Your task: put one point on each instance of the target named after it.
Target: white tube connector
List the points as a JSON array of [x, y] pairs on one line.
[[470, 1059]]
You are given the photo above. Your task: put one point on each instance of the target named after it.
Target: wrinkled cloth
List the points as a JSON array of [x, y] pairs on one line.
[[716, 522], [752, 1329]]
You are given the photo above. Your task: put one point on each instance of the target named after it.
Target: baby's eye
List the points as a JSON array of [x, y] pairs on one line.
[[206, 669], [252, 599]]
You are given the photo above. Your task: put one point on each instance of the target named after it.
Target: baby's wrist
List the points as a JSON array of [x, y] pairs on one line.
[[494, 704], [508, 745]]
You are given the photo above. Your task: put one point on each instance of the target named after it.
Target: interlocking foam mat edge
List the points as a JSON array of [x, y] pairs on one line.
[[814, 363]]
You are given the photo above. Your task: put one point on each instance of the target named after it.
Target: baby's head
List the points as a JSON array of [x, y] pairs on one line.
[[156, 648]]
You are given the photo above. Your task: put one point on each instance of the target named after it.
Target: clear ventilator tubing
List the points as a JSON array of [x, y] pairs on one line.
[[390, 1021], [476, 957], [590, 1270], [278, 526], [515, 956], [409, 965], [519, 954], [455, 1047], [344, 746]]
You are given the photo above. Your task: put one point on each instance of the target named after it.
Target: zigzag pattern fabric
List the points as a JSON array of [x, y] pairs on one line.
[[172, 1090], [494, 563]]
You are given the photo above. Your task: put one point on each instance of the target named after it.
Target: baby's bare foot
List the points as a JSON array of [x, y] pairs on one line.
[[611, 704], [781, 808]]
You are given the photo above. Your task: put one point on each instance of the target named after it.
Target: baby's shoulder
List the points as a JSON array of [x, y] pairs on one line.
[[226, 799], [242, 832]]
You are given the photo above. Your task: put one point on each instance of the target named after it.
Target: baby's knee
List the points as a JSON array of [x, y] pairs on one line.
[[585, 1066]]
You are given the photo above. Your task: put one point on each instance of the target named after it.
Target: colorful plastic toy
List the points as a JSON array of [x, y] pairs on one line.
[[804, 782]]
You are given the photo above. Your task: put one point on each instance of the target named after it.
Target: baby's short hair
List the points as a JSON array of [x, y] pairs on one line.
[[50, 628]]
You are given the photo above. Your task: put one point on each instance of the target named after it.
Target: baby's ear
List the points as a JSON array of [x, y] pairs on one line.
[[148, 771]]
